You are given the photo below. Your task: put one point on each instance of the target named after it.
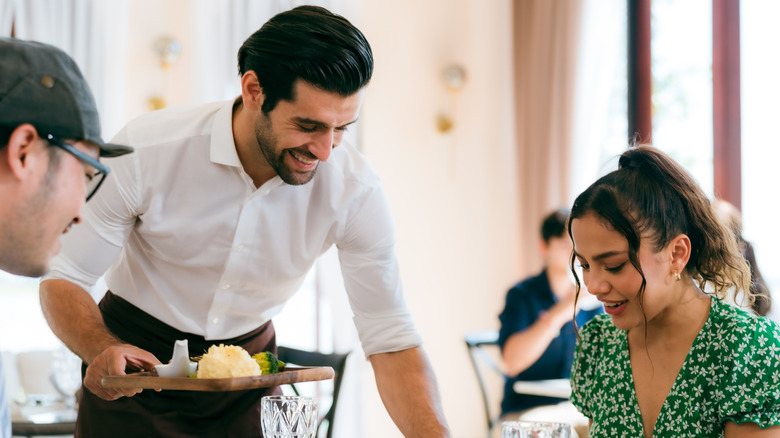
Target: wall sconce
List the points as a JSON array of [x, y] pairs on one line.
[[454, 78], [168, 50]]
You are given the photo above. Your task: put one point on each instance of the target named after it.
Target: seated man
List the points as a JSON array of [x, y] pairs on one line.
[[537, 337]]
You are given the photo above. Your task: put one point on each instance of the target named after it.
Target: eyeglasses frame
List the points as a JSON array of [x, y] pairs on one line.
[[84, 158]]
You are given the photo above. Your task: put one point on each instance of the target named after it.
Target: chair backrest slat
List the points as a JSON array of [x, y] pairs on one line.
[[337, 361], [477, 342]]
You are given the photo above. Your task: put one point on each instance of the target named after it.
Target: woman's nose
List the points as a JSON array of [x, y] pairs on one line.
[[596, 284]]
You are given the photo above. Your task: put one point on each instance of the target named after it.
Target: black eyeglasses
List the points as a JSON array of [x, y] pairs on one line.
[[94, 180]]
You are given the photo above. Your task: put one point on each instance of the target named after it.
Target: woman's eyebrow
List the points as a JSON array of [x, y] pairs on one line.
[[601, 256]]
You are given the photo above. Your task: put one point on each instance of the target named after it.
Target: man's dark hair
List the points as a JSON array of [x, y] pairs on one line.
[[5, 135], [554, 224], [308, 43]]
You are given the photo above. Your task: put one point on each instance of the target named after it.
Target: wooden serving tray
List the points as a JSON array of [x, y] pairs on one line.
[[150, 380]]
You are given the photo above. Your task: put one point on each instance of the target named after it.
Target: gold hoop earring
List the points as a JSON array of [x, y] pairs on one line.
[[676, 276]]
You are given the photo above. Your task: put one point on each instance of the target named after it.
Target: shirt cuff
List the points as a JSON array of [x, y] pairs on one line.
[[387, 334]]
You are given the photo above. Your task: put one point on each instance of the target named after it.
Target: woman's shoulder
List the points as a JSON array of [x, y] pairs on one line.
[[745, 357], [743, 339], [738, 325]]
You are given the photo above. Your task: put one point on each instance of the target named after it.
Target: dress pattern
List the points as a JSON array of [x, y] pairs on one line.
[[732, 373]]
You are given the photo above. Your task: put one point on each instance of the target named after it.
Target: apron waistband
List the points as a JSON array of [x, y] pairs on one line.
[[136, 327]]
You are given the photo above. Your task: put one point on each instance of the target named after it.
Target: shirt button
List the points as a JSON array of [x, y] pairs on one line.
[[226, 286], [215, 320], [240, 248]]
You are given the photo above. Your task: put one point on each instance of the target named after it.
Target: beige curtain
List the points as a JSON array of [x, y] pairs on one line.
[[94, 34], [546, 43]]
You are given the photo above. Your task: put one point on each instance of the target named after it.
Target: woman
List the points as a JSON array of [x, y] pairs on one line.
[[668, 359]]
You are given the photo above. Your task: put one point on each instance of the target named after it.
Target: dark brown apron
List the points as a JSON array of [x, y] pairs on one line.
[[172, 413]]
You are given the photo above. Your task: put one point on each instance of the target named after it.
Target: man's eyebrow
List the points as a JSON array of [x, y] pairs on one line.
[[601, 256], [307, 121]]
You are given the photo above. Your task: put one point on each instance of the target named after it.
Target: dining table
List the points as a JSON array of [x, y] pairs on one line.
[[559, 388], [47, 418]]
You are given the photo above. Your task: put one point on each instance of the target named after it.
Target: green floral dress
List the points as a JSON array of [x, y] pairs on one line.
[[732, 373]]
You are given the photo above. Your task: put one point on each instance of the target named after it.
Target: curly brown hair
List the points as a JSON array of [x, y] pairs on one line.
[[653, 196], [650, 194]]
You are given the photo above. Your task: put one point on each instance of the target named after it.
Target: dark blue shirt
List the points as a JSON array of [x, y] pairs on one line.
[[524, 302]]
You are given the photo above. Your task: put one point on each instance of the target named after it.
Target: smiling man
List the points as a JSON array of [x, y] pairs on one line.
[[49, 147], [208, 230]]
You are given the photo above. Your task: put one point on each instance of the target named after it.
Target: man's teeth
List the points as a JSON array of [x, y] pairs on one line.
[[301, 159]]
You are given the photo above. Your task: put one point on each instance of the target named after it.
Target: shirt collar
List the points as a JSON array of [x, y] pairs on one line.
[[223, 145]]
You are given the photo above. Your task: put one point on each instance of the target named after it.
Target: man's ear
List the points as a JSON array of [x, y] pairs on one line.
[[680, 248], [543, 248], [251, 91], [19, 151]]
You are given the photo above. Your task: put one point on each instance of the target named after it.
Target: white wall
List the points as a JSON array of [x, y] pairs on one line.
[[149, 20], [454, 195]]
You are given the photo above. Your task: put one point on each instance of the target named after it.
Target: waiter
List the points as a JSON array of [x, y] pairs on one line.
[[212, 225]]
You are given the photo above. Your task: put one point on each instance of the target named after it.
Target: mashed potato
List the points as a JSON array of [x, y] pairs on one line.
[[227, 361]]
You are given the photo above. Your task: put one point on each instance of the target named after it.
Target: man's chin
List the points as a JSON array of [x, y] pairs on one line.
[[32, 270], [298, 178]]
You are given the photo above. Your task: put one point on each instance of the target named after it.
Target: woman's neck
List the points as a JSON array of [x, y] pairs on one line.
[[684, 315]]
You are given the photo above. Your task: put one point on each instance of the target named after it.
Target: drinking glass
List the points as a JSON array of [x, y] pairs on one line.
[[535, 429], [510, 429], [286, 416], [66, 375]]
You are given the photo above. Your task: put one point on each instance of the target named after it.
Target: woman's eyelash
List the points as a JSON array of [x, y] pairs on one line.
[[616, 268]]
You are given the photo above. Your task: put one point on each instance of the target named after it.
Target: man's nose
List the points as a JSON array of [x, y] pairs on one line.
[[75, 221], [323, 144], [82, 204]]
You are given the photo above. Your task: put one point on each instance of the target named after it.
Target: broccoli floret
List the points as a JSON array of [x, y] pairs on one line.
[[268, 363]]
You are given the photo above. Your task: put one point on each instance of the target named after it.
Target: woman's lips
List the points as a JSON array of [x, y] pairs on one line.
[[615, 308]]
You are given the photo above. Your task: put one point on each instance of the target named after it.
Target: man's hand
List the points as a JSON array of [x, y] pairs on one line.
[[75, 318], [563, 311], [116, 360]]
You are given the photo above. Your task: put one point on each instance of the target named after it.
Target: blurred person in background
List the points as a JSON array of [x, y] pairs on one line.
[[762, 302], [49, 148], [537, 335]]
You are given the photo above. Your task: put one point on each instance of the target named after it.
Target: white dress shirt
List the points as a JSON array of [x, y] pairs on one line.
[[182, 233]]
